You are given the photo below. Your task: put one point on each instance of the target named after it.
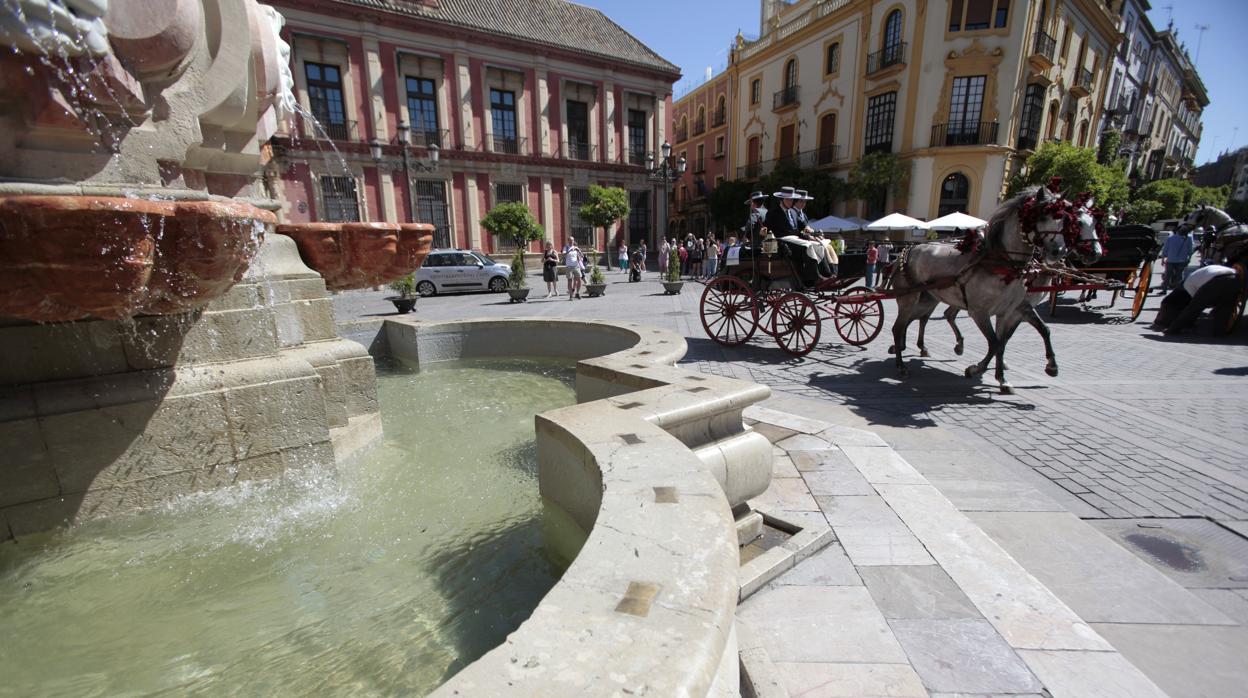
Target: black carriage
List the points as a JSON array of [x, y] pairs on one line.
[[1126, 267], [764, 292]]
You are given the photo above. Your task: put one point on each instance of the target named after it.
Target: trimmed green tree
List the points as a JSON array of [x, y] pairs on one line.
[[1079, 172], [605, 206], [877, 174], [514, 221]]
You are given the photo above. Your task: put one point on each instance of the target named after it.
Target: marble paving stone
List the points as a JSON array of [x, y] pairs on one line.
[[882, 466], [820, 624], [1020, 607], [1240, 527], [786, 420], [804, 442], [844, 480], [850, 680], [911, 592], [772, 432], [858, 510], [1185, 660], [966, 656], [785, 494], [988, 495], [828, 567], [782, 466], [1099, 579], [1232, 602], [872, 545], [1084, 673], [820, 460], [848, 436], [956, 465]]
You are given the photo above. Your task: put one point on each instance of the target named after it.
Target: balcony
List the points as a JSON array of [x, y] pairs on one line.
[[784, 99], [508, 145], [699, 126], [719, 117], [886, 58], [1043, 52], [330, 130], [635, 157], [423, 138], [1082, 86], [828, 154], [962, 133], [682, 134], [1027, 141], [579, 150]]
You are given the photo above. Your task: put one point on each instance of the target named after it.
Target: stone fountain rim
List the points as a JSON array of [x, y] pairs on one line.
[[136, 192]]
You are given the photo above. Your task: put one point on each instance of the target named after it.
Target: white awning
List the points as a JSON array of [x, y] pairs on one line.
[[897, 221], [833, 224], [956, 221]]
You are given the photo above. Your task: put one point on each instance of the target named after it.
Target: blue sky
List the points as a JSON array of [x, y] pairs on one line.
[[695, 34]]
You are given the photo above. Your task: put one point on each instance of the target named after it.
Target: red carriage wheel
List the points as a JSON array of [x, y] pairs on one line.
[[796, 324], [728, 313], [859, 315], [767, 301], [1144, 278]]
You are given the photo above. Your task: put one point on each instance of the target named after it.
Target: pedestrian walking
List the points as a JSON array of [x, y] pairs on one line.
[[621, 256], [695, 262], [644, 252], [873, 257], [550, 269], [664, 249], [1176, 254], [683, 254], [886, 258], [712, 257], [574, 261]]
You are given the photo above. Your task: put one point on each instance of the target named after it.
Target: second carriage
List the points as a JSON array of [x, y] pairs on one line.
[[764, 293]]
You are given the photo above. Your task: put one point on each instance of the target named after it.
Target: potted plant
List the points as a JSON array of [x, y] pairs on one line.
[[671, 278], [605, 206], [405, 302], [597, 282], [514, 220]]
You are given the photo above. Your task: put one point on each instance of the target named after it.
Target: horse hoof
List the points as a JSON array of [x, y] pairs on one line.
[[1007, 389], [971, 371], [892, 349], [924, 354], [957, 349], [1051, 370]]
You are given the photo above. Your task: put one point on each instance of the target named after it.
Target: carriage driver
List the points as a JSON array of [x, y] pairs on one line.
[[758, 215], [783, 221]]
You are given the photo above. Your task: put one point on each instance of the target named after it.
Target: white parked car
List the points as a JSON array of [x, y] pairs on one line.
[[445, 271]]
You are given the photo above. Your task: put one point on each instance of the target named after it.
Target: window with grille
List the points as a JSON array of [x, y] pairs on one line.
[[832, 62], [966, 106], [1029, 122], [892, 31], [790, 74], [578, 130], [881, 110], [431, 208], [503, 111], [422, 109], [325, 98], [970, 15], [581, 231], [636, 137], [638, 217], [340, 201], [756, 91], [504, 194]]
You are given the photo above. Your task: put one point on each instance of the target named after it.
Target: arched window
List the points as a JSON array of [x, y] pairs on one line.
[[955, 193], [721, 112], [1083, 133], [892, 31], [832, 62], [699, 126], [790, 74], [827, 139], [682, 131], [1052, 129]]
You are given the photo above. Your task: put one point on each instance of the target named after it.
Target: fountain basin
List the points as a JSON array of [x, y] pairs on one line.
[[361, 255], [70, 257]]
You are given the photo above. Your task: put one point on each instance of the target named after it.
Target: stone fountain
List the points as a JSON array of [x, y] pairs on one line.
[[158, 336]]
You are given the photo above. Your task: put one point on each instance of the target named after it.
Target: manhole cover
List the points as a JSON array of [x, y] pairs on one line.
[[1171, 553]]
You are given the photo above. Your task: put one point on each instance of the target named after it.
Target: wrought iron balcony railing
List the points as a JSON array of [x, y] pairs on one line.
[[579, 150], [682, 134], [423, 138], [786, 97], [886, 57], [334, 131], [718, 117], [636, 157], [1046, 46], [1083, 78], [509, 145], [965, 133], [699, 126], [828, 154]]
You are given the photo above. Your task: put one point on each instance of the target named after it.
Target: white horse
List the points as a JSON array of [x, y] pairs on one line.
[[987, 284], [1228, 232]]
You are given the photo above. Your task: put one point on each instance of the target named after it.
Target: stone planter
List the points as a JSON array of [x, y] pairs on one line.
[[518, 295], [361, 255], [672, 288], [403, 304], [595, 290], [69, 257]]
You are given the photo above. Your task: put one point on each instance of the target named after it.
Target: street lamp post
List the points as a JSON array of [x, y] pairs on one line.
[[665, 171], [403, 138]]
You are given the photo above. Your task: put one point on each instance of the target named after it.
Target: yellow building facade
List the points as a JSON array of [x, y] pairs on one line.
[[960, 90]]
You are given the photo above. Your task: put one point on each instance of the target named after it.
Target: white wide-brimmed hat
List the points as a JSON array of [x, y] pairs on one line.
[[786, 193]]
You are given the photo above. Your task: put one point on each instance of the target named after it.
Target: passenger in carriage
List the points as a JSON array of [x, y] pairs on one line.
[[783, 223]]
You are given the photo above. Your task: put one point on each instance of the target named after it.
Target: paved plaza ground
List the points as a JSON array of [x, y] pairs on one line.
[[1087, 536]]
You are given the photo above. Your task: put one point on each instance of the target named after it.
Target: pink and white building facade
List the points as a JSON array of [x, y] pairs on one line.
[[527, 100]]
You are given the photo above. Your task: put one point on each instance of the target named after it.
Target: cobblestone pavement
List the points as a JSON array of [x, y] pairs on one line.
[[1136, 425]]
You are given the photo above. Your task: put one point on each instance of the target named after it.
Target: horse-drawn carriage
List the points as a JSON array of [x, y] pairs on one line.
[[763, 292], [1126, 268]]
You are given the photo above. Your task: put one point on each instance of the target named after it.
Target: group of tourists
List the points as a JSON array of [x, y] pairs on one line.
[[699, 256], [1211, 285]]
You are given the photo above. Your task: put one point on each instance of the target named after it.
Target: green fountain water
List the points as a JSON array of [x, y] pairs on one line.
[[413, 561]]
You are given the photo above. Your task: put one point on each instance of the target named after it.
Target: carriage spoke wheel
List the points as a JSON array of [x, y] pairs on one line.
[[1141, 289], [1238, 312], [796, 324], [858, 320], [728, 313], [767, 302]]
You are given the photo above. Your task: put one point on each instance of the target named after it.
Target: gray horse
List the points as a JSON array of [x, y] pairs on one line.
[[1229, 232], [987, 284], [1089, 250]]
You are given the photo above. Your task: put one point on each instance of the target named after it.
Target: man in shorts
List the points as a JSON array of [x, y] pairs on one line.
[[572, 260]]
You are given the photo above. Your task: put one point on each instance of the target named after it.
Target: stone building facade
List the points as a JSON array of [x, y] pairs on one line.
[[962, 91], [701, 130], [527, 100]]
